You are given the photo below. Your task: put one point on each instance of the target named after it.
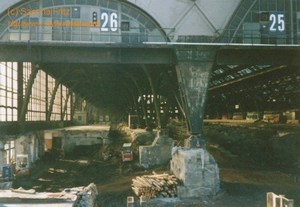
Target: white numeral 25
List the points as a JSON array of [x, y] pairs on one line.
[[277, 22]]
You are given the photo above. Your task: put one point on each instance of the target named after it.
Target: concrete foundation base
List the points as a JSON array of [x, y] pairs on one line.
[[158, 153], [198, 171]]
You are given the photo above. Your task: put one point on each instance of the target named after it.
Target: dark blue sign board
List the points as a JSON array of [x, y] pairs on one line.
[[276, 23]]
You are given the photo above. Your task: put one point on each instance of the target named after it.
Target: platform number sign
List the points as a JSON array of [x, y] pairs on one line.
[[276, 23], [109, 21]]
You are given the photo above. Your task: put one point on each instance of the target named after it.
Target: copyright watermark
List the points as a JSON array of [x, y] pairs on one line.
[[14, 12], [53, 24]]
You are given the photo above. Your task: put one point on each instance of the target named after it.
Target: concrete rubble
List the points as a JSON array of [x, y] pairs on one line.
[[70, 197], [86, 196]]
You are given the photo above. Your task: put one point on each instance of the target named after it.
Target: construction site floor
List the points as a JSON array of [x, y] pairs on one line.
[[247, 169]]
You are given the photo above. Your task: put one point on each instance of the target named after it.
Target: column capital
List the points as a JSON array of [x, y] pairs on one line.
[[195, 53]]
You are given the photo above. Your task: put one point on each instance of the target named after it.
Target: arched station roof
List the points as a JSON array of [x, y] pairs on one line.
[[180, 20], [136, 22], [94, 21]]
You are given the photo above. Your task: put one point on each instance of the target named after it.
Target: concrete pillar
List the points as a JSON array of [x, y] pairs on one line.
[[193, 70], [193, 164], [195, 77]]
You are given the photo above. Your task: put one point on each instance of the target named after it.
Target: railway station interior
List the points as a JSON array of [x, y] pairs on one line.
[[150, 103]]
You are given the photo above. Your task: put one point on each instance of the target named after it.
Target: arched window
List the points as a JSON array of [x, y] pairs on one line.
[[108, 21]]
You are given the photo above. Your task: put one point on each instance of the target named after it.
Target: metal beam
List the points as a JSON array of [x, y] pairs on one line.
[[20, 88], [27, 94], [143, 104], [258, 56], [153, 90]]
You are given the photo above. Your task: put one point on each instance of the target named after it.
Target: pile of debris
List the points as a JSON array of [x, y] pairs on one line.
[[77, 197], [156, 185], [86, 196]]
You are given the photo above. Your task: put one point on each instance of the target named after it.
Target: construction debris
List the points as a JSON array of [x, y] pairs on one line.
[[75, 197], [86, 196], [156, 185]]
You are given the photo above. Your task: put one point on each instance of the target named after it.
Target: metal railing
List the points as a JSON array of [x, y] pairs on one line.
[[274, 200]]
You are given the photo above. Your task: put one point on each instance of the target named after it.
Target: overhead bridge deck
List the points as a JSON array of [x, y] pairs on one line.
[[98, 70], [146, 53]]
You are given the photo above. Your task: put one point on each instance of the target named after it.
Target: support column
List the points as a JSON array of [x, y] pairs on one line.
[[27, 95], [20, 88], [48, 115], [134, 98], [66, 106], [143, 104], [160, 151], [193, 70], [193, 164], [155, 101]]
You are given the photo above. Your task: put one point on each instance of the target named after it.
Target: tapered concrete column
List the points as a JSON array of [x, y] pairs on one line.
[[193, 164], [195, 77], [193, 70]]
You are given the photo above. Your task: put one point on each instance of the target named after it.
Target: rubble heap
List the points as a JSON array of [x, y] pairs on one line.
[[86, 196]]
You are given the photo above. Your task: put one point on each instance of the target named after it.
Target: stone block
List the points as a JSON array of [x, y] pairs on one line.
[[159, 152], [198, 171]]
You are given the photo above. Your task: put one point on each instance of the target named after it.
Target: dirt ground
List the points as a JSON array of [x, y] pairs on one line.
[[254, 158]]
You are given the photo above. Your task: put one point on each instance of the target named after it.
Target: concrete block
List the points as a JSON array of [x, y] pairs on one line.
[[159, 152], [198, 171]]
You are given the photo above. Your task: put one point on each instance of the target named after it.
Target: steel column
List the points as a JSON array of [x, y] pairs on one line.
[[153, 90], [20, 88], [27, 95], [57, 84]]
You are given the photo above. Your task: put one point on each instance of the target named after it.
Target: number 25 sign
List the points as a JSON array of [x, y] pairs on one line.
[[277, 23]]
